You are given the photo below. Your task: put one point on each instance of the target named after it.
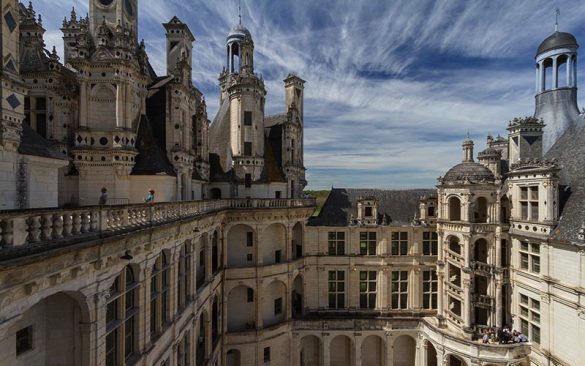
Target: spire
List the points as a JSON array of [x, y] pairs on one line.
[[240, 11], [468, 149], [557, 13]]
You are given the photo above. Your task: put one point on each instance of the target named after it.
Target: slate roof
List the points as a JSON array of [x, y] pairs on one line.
[[400, 205], [557, 40], [469, 171], [569, 151], [31, 143], [151, 160]]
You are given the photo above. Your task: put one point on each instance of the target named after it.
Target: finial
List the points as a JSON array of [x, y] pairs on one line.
[[240, 11], [557, 13]]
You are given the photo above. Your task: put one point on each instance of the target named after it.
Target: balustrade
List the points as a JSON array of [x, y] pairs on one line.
[[21, 227]]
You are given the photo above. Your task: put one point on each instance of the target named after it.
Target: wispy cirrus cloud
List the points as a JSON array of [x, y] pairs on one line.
[[392, 86]]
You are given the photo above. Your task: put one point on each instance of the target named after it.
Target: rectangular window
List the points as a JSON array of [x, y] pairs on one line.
[[430, 243], [277, 256], [399, 289], [247, 118], [266, 354], [277, 194], [250, 239], [24, 340], [367, 243], [368, 212], [430, 286], [247, 148], [368, 289], [249, 257], [530, 257], [248, 180], [111, 349], [529, 203], [336, 243], [336, 289], [431, 212], [278, 306], [250, 295], [530, 318], [400, 243]]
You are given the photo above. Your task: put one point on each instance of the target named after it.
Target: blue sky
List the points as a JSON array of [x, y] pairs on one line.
[[392, 87]]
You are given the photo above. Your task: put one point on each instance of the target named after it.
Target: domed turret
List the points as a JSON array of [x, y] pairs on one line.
[[468, 171], [556, 85], [240, 50]]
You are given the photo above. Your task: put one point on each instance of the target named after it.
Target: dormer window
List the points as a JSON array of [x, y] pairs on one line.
[[529, 203], [368, 211], [430, 211]]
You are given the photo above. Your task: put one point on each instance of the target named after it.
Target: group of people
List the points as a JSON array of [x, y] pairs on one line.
[[503, 335], [103, 200]]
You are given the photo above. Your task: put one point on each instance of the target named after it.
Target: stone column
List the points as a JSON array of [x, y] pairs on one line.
[[499, 304], [555, 74], [326, 344], [466, 303], [120, 96], [467, 250], [259, 293], [441, 293], [569, 81], [537, 80], [83, 104], [288, 250], [415, 289], [208, 257], [542, 77]]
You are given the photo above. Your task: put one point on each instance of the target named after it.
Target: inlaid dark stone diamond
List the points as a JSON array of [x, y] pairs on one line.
[[13, 101], [10, 21]]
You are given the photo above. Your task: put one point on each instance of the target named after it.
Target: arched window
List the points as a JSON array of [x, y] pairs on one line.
[[121, 313], [454, 209], [159, 294], [184, 275]]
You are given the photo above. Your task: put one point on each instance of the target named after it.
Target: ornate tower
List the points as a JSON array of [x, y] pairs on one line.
[[179, 50], [245, 93], [113, 75], [525, 139], [556, 85], [293, 135], [114, 13]]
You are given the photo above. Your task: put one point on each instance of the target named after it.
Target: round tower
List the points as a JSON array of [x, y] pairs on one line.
[[556, 85]]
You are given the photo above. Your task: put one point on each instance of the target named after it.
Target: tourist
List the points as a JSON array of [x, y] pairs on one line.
[[149, 198], [103, 197]]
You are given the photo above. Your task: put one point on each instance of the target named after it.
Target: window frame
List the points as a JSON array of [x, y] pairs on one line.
[[399, 243], [430, 292], [399, 293], [336, 243], [368, 289], [529, 315], [368, 243], [334, 281], [430, 243]]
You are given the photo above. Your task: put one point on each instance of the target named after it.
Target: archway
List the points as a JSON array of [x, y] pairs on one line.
[[481, 210], [201, 260], [215, 254], [341, 351], [201, 340], [297, 296], [241, 309], [504, 210], [453, 360], [215, 193], [404, 351], [233, 358], [372, 351], [454, 209], [240, 246], [274, 303], [297, 241], [481, 251], [431, 354], [50, 333], [273, 244], [214, 320], [454, 245], [310, 351]]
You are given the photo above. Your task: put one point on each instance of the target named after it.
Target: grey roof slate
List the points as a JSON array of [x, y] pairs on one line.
[[557, 40], [471, 171], [151, 160], [34, 144], [569, 151], [400, 205]]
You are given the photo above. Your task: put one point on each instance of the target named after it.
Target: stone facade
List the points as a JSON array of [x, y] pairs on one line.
[[228, 267]]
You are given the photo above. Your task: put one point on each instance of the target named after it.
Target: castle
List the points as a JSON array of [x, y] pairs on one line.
[[228, 266]]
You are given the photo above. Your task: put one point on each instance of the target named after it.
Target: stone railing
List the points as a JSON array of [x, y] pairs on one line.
[[21, 227]]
